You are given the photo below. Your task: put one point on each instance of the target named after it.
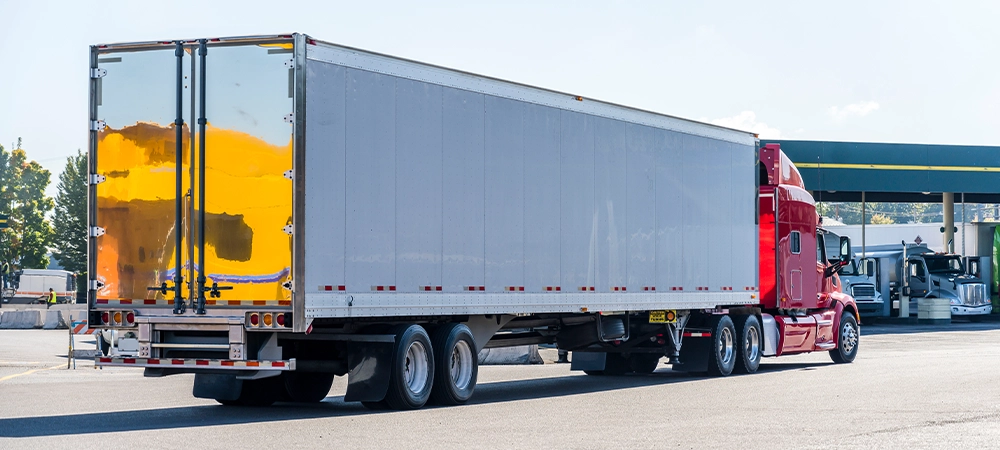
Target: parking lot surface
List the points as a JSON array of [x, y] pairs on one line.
[[911, 387]]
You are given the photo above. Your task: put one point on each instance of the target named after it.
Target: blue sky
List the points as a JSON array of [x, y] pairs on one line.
[[888, 71]]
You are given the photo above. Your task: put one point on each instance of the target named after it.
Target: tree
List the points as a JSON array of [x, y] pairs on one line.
[[70, 218], [22, 197]]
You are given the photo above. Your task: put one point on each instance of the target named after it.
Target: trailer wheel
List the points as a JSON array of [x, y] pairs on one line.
[[309, 387], [412, 372], [456, 365], [644, 363], [614, 364], [847, 340], [722, 353], [750, 336], [262, 392]]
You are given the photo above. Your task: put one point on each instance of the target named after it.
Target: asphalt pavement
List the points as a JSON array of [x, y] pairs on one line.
[[911, 387]]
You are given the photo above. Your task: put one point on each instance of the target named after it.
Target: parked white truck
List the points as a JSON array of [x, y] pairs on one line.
[[271, 212]]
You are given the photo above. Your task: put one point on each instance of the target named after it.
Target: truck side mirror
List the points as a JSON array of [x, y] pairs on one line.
[[845, 248], [870, 267]]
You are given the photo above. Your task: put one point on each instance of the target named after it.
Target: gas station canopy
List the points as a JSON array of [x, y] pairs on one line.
[[842, 171]]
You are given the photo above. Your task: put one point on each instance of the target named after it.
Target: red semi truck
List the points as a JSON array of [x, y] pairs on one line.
[[293, 210]]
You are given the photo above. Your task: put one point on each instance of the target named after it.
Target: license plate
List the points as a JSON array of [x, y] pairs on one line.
[[662, 316]]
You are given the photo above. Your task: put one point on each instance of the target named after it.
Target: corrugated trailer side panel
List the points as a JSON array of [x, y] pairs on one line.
[[431, 191]]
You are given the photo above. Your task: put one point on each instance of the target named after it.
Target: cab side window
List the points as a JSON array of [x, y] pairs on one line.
[[796, 243]]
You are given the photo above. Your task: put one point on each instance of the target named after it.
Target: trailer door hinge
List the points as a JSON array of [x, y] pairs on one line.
[[287, 229], [290, 63], [289, 118], [96, 178], [98, 73], [97, 125], [97, 231], [290, 174], [96, 285]]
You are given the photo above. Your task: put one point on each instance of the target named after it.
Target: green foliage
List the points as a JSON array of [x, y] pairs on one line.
[[22, 196], [70, 218], [884, 213]]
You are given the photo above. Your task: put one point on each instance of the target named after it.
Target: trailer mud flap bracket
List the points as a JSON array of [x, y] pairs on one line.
[[369, 365]]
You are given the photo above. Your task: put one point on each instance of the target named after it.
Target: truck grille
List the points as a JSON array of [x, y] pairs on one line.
[[863, 292], [974, 294]]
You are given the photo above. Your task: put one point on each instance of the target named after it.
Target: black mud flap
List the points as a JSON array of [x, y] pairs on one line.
[[217, 386], [369, 365], [694, 355], [588, 361]]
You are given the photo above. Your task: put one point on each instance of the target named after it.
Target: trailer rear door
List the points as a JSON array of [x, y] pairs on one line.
[[247, 190]]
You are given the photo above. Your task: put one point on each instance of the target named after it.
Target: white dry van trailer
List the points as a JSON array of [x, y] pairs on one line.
[[271, 212]]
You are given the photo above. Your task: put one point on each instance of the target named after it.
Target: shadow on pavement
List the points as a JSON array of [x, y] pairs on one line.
[[212, 415], [878, 329]]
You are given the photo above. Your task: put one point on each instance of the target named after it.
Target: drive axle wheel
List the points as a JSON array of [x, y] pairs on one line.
[[644, 363], [722, 352], [848, 335], [307, 387], [412, 371], [750, 337], [456, 364]]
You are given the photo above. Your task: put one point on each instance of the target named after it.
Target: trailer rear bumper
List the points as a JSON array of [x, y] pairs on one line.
[[195, 364]]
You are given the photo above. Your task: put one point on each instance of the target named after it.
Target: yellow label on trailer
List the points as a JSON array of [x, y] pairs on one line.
[[668, 316]]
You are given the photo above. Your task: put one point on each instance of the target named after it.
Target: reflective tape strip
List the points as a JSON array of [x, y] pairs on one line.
[[586, 288], [619, 289], [339, 287], [697, 334], [649, 288], [514, 288], [209, 302], [196, 363], [553, 288], [384, 288], [475, 288], [428, 288]]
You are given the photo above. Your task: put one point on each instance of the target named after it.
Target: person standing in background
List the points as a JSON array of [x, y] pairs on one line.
[[5, 269]]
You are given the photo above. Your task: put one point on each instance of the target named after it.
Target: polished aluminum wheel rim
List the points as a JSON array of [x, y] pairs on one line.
[[726, 346], [415, 371], [752, 345], [461, 365], [849, 337]]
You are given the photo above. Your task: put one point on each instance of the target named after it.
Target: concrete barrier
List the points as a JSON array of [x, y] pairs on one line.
[[20, 320], [523, 354], [933, 311], [54, 320]]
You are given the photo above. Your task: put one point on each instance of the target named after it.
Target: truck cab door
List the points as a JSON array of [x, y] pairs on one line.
[[917, 278]]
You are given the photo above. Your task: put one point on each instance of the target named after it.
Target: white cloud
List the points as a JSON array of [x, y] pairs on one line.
[[859, 109], [747, 121]]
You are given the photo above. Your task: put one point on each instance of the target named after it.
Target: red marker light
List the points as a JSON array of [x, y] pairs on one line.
[[130, 318], [280, 319], [105, 317], [254, 319]]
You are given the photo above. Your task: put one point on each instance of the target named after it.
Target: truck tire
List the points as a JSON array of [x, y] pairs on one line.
[[614, 364], [411, 376], [750, 339], [644, 363], [456, 365], [722, 352], [307, 387], [848, 337], [262, 392]]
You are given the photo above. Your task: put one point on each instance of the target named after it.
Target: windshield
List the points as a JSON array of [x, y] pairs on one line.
[[944, 264], [850, 269]]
